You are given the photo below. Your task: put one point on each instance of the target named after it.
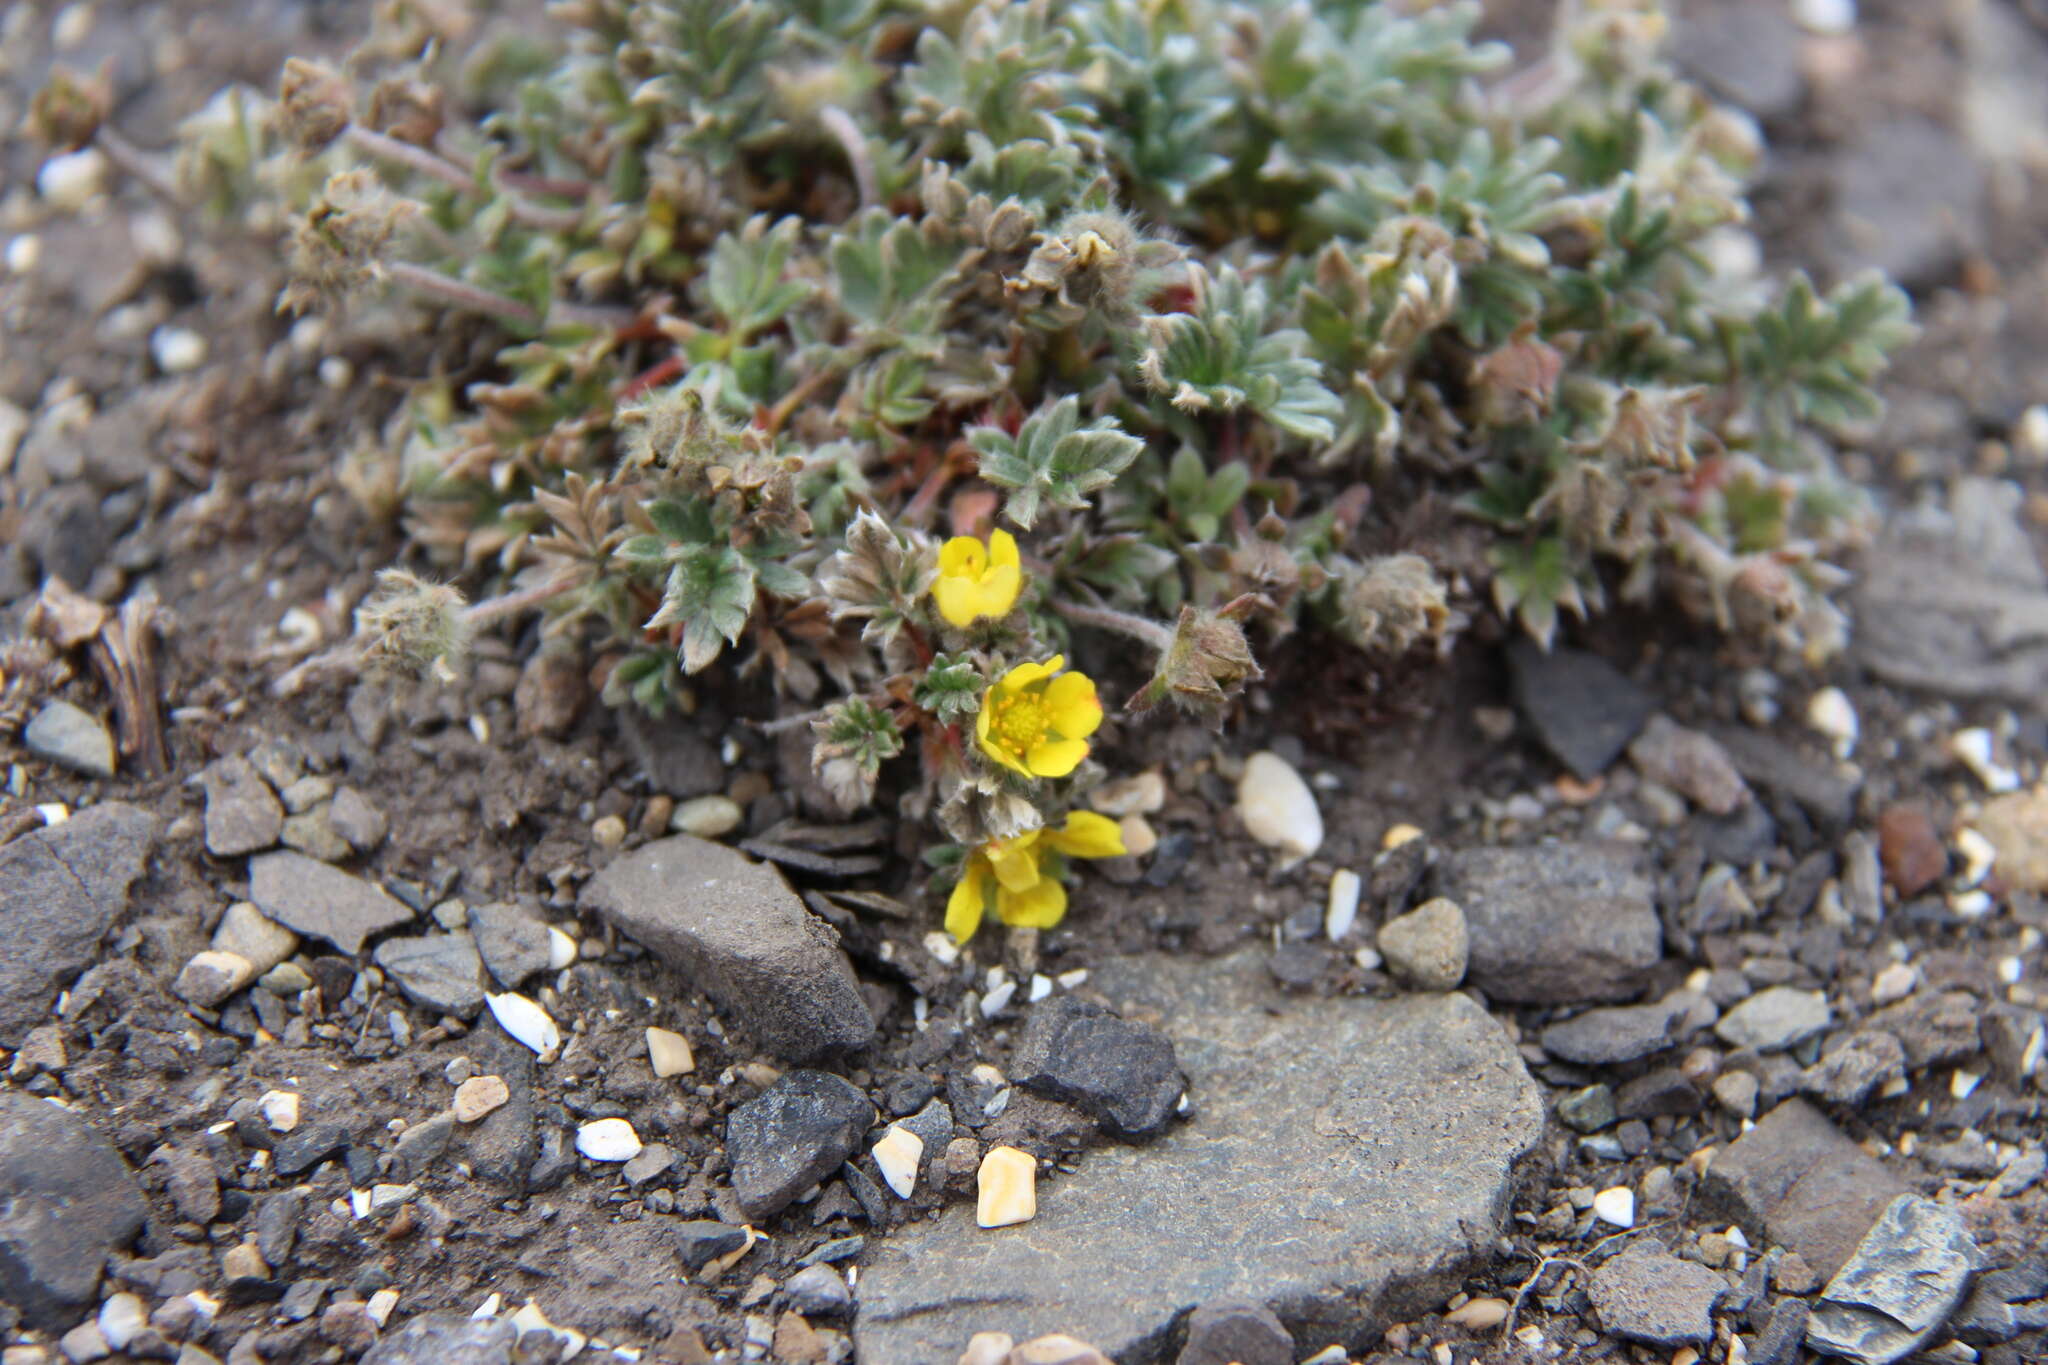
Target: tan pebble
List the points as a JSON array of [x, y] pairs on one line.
[[478, 1096], [1479, 1315], [748, 788], [1008, 1188], [1139, 839], [669, 1052], [1685, 1355], [654, 820], [707, 817], [280, 1110], [1140, 794], [1573, 792], [1057, 1350], [798, 1342], [609, 831], [987, 1348], [896, 1156], [244, 1262], [1399, 835]]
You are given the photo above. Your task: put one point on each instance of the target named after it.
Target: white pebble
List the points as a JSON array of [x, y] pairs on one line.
[[1895, 982], [1041, 986], [335, 372], [1973, 748], [1827, 17], [2030, 434], [54, 812], [359, 1204], [1616, 1205], [70, 180], [1006, 1188], [280, 1110], [1963, 1084], [897, 1155], [1972, 904], [526, 1021], [72, 27], [2011, 969], [490, 1306], [24, 253], [1368, 959], [1277, 807], [122, 1318], [1978, 853], [1342, 910], [1072, 980], [378, 1309], [562, 950], [1141, 794], [997, 1000], [669, 1052], [177, 349], [941, 946], [707, 817], [608, 1140], [1831, 714]]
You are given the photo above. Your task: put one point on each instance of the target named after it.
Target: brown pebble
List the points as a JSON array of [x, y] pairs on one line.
[[401, 1225], [1910, 849], [798, 1342], [654, 820]]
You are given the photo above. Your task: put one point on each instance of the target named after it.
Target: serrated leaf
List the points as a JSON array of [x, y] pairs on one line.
[[1054, 460]]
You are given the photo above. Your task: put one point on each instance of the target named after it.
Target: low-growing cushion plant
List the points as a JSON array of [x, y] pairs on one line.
[[876, 346]]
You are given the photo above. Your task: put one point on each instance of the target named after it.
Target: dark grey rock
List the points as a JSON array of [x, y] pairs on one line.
[[505, 1144], [736, 930], [440, 971], [307, 1146], [701, 1242], [1956, 604], [69, 534], [61, 889], [1905, 1278], [191, 1181], [277, 1226], [1808, 781], [1968, 1155], [1908, 201], [675, 757], [1797, 1181], [243, 814], [1690, 763], [512, 940], [1555, 924], [554, 1160], [1985, 1319], [1347, 1163], [791, 1136], [1745, 51], [1606, 1037], [1242, 1333], [1848, 1074], [318, 901], [1647, 1294], [1581, 708], [1587, 1110], [1784, 1330], [819, 1291], [933, 1125], [1658, 1091], [66, 1201], [72, 738], [1120, 1072], [451, 1338], [421, 1145], [1775, 1019], [2014, 1037], [1935, 1029]]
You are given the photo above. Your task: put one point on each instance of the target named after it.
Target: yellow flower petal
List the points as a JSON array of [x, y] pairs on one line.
[[995, 751], [1056, 757], [1088, 835], [969, 899], [962, 557], [977, 581], [1015, 861], [1002, 552], [1027, 673], [1075, 710], [1043, 906]]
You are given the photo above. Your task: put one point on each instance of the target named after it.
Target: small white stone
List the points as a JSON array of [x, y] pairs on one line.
[[53, 813], [1974, 748], [941, 946], [280, 1110], [70, 180], [1963, 1084], [2011, 969], [335, 372], [1072, 980], [526, 1021], [707, 817], [1341, 912], [1978, 854], [72, 27], [1826, 17], [1894, 983], [562, 950], [608, 1140], [1616, 1205], [1832, 715], [2030, 434], [24, 253], [122, 1318], [997, 1000], [1972, 904], [378, 1309], [669, 1053], [897, 1155], [1007, 1188], [389, 1196], [1140, 794], [1368, 958], [1277, 807], [1041, 986], [177, 350], [359, 1204]]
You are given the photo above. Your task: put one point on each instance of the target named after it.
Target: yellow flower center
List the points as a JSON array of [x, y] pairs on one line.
[[1019, 720]]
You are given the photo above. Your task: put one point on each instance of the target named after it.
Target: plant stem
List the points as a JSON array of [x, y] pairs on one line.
[[794, 399], [138, 163], [438, 167], [425, 280], [1105, 618], [847, 134]]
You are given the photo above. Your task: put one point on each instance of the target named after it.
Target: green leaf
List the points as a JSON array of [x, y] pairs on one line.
[[1226, 355], [710, 593], [1054, 460], [743, 281], [951, 688]]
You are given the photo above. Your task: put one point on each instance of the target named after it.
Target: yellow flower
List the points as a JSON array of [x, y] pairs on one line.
[[975, 581], [1027, 894], [1036, 724]]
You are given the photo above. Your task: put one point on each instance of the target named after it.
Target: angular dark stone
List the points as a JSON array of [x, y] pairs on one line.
[[512, 940], [1784, 1330], [1583, 709], [440, 971], [1239, 1333], [677, 759], [1122, 1073], [307, 1146], [242, 813], [1907, 1275], [1647, 1294], [737, 931], [701, 1242], [61, 889], [1795, 1180], [1808, 781], [794, 1134], [1605, 1037], [1555, 924], [66, 1201], [311, 898], [447, 1339]]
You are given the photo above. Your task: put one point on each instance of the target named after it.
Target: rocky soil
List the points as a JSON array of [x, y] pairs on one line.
[[1638, 1001]]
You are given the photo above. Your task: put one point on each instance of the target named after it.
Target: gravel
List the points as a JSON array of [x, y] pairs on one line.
[[242, 813], [67, 1201], [794, 1134], [71, 738], [1122, 1073], [318, 901]]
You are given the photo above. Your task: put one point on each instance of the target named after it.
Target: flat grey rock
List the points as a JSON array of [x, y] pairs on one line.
[[243, 815], [1956, 603], [792, 1135], [512, 940], [1745, 51], [737, 931], [71, 738], [66, 1200], [1555, 923], [439, 971], [1908, 1274], [1796, 1180], [447, 1339], [1647, 1294], [311, 898], [1775, 1019], [1582, 709], [1344, 1162], [61, 889], [1607, 1037]]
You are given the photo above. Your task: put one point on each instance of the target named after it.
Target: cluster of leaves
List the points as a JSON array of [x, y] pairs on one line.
[[1211, 297]]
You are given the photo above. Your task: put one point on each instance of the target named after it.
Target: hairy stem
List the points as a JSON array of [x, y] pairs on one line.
[[1105, 618], [433, 284], [438, 167], [847, 134]]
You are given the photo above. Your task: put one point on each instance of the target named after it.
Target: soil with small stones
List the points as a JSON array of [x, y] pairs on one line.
[[246, 495]]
